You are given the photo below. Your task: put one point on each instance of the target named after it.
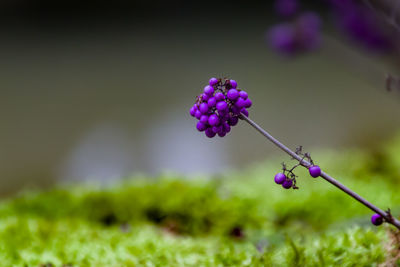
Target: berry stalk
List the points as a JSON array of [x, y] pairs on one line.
[[385, 214]]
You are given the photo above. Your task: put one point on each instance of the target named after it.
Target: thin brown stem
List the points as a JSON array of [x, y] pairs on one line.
[[388, 217]]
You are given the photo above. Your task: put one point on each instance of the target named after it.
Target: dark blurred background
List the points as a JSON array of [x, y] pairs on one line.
[[101, 89]]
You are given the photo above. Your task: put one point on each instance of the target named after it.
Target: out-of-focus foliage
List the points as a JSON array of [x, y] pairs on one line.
[[240, 219]]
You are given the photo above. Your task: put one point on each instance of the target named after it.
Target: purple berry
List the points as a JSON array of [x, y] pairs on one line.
[[222, 106], [314, 171], [376, 219], [209, 133], [240, 103], [308, 28], [233, 94], [221, 134], [201, 126], [280, 178], [209, 90], [205, 97], [198, 114], [219, 96], [193, 110], [204, 119], [213, 81], [243, 94], [233, 83], [287, 184], [247, 103], [203, 108], [217, 129], [233, 121], [211, 102], [226, 126], [213, 120], [245, 112], [282, 38]]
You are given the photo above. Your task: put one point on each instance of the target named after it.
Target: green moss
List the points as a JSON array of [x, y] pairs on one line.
[[243, 219]]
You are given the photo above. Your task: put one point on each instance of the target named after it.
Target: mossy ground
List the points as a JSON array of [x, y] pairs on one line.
[[238, 219]]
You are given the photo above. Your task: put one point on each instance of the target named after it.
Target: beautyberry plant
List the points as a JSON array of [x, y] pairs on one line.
[[222, 104]]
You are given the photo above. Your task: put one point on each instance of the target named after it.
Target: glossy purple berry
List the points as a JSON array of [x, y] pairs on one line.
[[314, 171], [226, 126], [217, 129], [247, 103], [213, 81], [198, 114], [233, 94], [233, 121], [219, 96], [245, 112], [233, 83], [213, 120], [209, 90], [222, 106], [280, 178], [201, 126], [193, 110], [203, 108], [240, 103], [205, 97], [221, 134], [243, 94], [210, 133], [211, 102], [287, 184], [204, 119], [376, 219]]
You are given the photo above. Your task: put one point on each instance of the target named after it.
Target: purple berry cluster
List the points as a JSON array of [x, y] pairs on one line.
[[301, 34], [219, 106]]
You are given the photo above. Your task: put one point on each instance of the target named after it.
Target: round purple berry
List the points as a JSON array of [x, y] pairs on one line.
[[211, 102], [314, 171], [280, 178], [282, 38], [233, 121], [209, 133], [221, 134], [233, 94], [209, 90], [226, 126], [204, 96], [287, 184], [222, 106], [203, 108], [376, 219], [247, 103], [204, 119], [240, 103], [213, 81], [198, 114], [243, 94], [217, 129], [201, 126], [219, 96], [213, 120], [193, 110], [245, 112], [233, 83]]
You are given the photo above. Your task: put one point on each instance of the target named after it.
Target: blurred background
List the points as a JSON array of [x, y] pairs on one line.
[[99, 90]]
